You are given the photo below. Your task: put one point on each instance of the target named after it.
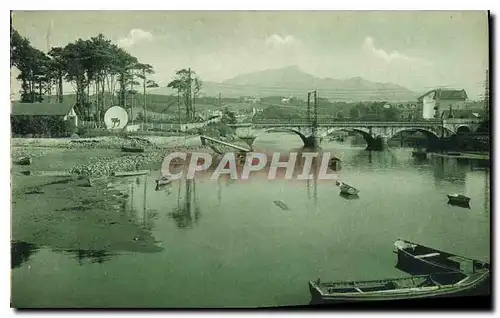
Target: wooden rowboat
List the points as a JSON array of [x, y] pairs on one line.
[[419, 259], [161, 182], [132, 149], [130, 173], [458, 199], [414, 287], [347, 189]]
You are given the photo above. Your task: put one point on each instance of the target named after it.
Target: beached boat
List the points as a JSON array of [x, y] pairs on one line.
[[24, 161], [130, 173], [458, 199], [132, 149], [347, 189], [419, 259], [414, 287]]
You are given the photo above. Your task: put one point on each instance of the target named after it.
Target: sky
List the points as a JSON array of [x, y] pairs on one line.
[[419, 50]]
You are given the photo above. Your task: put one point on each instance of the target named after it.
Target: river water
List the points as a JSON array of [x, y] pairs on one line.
[[228, 244]]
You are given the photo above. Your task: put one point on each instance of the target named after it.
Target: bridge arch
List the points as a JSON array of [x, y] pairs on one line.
[[365, 133], [428, 133], [463, 129], [257, 133]]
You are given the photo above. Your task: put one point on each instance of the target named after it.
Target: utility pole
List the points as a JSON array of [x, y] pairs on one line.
[[487, 93], [179, 108], [315, 121], [309, 108], [144, 95], [189, 96], [220, 99]]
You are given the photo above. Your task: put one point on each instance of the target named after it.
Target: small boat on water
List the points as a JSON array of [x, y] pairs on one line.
[[24, 161], [281, 205], [417, 259], [161, 182], [334, 164], [420, 154], [132, 149], [347, 189], [414, 287], [458, 199]]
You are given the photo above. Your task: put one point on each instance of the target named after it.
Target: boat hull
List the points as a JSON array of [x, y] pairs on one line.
[[479, 287], [440, 263], [127, 149], [348, 190], [459, 200]]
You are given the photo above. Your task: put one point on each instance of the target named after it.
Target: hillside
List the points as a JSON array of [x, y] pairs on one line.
[[292, 81]]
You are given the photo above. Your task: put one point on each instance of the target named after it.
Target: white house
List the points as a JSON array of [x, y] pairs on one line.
[[437, 103]]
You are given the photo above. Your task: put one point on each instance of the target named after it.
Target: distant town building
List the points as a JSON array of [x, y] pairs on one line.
[[251, 99], [438, 103], [285, 100]]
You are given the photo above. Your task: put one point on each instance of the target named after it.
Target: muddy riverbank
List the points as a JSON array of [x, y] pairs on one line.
[[63, 214]]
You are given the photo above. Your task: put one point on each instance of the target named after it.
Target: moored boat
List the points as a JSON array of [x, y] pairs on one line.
[[334, 164], [132, 149], [347, 189], [419, 259], [130, 173], [415, 287], [161, 182], [458, 199]]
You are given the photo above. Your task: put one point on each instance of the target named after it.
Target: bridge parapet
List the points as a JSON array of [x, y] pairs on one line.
[[264, 124]]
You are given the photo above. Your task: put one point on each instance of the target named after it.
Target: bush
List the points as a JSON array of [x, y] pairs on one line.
[[40, 126]]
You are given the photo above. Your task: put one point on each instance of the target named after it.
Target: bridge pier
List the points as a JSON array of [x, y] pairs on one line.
[[378, 143], [249, 140], [311, 142]]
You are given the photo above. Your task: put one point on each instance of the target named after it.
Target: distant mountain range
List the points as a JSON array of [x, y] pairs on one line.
[[292, 81]]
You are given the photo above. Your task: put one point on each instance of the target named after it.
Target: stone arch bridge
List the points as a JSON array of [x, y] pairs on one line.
[[376, 133]]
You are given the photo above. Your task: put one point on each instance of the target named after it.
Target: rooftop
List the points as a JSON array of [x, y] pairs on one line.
[[440, 93], [41, 109]]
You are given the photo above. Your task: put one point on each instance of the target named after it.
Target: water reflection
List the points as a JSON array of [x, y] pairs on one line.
[[374, 158], [349, 196], [20, 252], [98, 256], [448, 169], [137, 204], [187, 211]]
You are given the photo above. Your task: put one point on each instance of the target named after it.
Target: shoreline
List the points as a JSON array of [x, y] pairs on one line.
[[464, 155]]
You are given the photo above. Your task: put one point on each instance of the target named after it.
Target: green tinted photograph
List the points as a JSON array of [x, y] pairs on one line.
[[250, 159]]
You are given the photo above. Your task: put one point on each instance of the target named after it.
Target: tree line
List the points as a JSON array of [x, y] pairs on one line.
[[113, 74]]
